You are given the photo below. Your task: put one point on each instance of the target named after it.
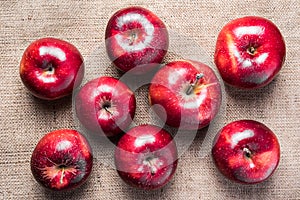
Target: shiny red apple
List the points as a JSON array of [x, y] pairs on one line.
[[62, 160], [51, 68], [246, 151], [105, 105], [136, 40], [146, 157], [250, 51], [188, 94]]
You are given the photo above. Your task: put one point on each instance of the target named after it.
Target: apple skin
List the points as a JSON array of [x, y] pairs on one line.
[[249, 53], [62, 160], [136, 40], [169, 87], [246, 151], [105, 106], [51, 68], [146, 157]]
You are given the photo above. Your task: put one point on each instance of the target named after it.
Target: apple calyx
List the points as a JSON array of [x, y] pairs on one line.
[[59, 171], [193, 85], [152, 163]]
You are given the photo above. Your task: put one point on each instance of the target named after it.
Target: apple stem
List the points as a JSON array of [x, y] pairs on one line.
[[106, 109], [192, 86], [62, 175], [132, 38]]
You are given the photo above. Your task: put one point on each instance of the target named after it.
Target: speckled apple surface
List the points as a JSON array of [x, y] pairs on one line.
[[24, 119]]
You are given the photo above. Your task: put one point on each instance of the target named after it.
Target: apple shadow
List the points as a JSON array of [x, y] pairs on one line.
[[172, 56], [244, 95], [140, 194], [52, 114], [135, 81], [199, 139], [234, 190], [111, 70], [244, 191], [103, 147], [188, 139], [75, 193], [50, 105]]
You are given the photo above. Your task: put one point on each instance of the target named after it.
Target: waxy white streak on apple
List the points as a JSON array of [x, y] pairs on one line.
[[63, 145], [239, 136], [143, 140], [248, 30], [53, 51]]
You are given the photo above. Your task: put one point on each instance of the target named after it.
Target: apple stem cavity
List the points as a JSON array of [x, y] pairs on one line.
[[192, 86], [133, 36], [50, 70], [48, 67], [106, 105], [247, 152], [251, 50]]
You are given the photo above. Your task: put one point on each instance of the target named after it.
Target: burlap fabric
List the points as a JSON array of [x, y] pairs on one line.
[[24, 119]]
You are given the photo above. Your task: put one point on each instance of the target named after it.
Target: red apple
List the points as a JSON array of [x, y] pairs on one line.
[[146, 157], [136, 40], [105, 105], [250, 52], [188, 94], [51, 68], [246, 151], [62, 160]]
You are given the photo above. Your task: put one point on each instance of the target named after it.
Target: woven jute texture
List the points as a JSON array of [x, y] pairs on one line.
[[193, 27]]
